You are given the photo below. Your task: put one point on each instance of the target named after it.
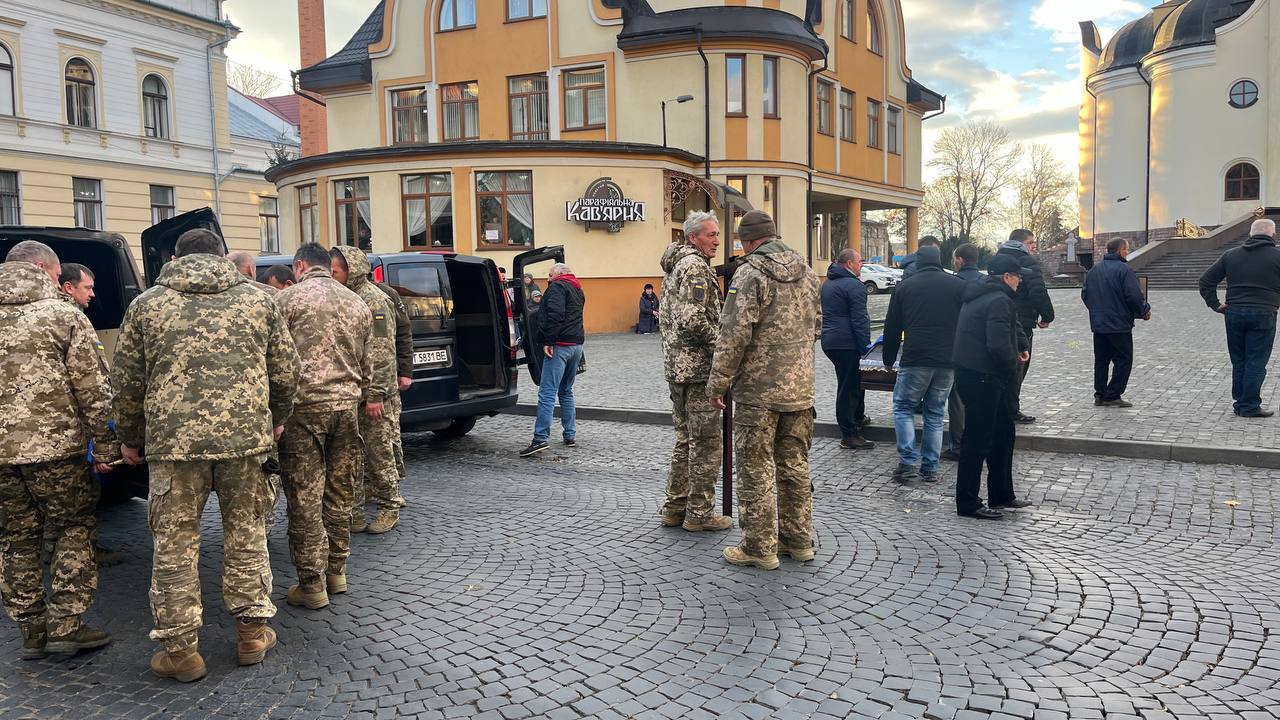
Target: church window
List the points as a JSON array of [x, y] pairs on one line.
[[1244, 94], [1243, 182]]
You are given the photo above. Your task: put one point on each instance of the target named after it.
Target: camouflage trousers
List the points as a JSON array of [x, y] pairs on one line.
[[771, 445], [697, 455], [63, 495], [178, 494], [381, 482], [321, 455]]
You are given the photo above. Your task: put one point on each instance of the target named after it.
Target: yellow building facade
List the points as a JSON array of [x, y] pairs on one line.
[[487, 127]]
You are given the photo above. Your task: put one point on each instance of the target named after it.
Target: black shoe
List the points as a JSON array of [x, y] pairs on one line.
[[983, 513], [1024, 419], [1117, 403], [950, 456], [865, 421], [1097, 400], [929, 476], [1256, 414], [1014, 504], [856, 442], [572, 442], [905, 473], [534, 448]]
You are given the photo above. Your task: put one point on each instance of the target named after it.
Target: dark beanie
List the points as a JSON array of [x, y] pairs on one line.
[[755, 225]]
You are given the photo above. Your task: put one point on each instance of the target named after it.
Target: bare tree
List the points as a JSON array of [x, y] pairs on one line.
[[1045, 190], [976, 162], [252, 81], [938, 212]]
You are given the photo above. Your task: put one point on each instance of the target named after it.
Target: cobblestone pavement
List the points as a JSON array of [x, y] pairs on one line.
[[1181, 386], [546, 588]]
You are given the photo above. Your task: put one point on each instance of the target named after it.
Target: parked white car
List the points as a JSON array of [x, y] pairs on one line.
[[879, 279]]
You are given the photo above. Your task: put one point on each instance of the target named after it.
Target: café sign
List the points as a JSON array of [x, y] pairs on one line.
[[603, 206]]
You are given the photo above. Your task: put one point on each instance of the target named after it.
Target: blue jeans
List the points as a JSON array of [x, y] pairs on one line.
[[1251, 331], [932, 386], [558, 373]]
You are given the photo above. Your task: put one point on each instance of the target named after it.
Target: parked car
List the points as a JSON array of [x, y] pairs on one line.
[[465, 352], [879, 279]]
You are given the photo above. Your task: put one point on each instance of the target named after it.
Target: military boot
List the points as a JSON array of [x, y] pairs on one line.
[[386, 520], [34, 638], [336, 584], [714, 523], [311, 600], [85, 638], [185, 665], [672, 519], [795, 553], [358, 522], [735, 556], [253, 641]]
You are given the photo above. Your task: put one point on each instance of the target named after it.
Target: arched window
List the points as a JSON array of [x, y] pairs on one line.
[[81, 94], [848, 20], [155, 107], [1244, 93], [873, 28], [456, 14], [1243, 182], [8, 99]]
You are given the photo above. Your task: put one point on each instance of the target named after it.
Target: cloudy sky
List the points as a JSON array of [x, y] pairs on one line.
[[1015, 61]]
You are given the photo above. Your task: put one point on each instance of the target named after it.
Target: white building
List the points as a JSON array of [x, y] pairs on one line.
[[109, 113], [1176, 120]]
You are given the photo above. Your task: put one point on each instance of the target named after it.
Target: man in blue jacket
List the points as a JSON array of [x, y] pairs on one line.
[[1114, 298], [846, 333]]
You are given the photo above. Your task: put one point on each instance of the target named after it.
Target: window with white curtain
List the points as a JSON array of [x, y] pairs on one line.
[[529, 107], [525, 9], [505, 201], [461, 111], [269, 223], [351, 205], [428, 211], [409, 110], [8, 97], [10, 199], [308, 214], [155, 107], [585, 103], [87, 196], [81, 92], [455, 14]]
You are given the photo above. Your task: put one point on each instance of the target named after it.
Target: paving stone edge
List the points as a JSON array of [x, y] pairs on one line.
[[1133, 449]]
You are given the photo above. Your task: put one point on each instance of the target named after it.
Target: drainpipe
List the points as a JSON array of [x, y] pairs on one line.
[[706, 105], [216, 173], [1146, 232], [808, 219]]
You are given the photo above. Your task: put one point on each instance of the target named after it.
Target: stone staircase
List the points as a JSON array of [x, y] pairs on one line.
[[1181, 270]]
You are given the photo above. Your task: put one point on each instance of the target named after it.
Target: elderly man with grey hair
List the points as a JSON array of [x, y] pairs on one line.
[[561, 334], [1252, 272]]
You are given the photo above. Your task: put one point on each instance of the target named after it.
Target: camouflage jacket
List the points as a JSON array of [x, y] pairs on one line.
[[404, 331], [689, 313], [204, 367], [55, 394], [333, 330], [382, 353], [262, 286], [772, 318]]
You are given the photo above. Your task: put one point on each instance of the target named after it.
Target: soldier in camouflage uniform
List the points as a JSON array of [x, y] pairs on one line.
[[381, 482], [690, 316], [56, 399], [772, 318], [246, 267], [205, 376], [404, 367], [321, 453]]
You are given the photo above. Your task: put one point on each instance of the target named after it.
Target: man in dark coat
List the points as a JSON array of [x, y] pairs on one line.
[[909, 263], [1252, 272], [1035, 309], [560, 328], [924, 309], [965, 262], [846, 333], [1114, 298], [988, 349]]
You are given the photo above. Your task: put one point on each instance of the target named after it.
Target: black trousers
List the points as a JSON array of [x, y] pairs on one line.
[[1112, 349], [1015, 396], [988, 437], [850, 398], [955, 419]]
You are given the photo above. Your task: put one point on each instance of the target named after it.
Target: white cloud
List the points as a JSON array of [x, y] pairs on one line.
[[1063, 17]]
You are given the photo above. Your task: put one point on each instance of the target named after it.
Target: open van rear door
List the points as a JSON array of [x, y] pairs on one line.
[[159, 240], [526, 319]]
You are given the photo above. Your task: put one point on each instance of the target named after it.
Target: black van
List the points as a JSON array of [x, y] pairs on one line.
[[465, 355]]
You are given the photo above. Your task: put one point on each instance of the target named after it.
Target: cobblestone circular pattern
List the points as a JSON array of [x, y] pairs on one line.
[[546, 588]]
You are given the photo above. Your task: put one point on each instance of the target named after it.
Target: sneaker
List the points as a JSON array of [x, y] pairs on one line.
[[34, 639], [534, 448], [335, 584], [385, 522], [735, 556], [571, 442], [310, 600], [856, 442], [85, 638], [905, 473], [801, 554], [184, 665], [929, 476], [253, 640], [714, 523], [1118, 402]]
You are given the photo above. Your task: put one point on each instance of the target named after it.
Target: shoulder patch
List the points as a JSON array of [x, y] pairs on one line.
[[380, 324]]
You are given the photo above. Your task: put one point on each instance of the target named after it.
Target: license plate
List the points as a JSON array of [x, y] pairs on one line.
[[431, 357]]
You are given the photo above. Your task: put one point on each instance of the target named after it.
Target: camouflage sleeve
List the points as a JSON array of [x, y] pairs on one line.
[[366, 361], [404, 339], [129, 379], [382, 354], [90, 386], [695, 311], [737, 327], [283, 367]]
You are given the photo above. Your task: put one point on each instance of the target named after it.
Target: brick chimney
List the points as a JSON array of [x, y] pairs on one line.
[[311, 41]]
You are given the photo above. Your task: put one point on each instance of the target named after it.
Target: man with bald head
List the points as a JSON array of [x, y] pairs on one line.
[[245, 266], [1252, 272]]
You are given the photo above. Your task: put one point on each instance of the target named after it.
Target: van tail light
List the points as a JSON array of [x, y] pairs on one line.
[[378, 274]]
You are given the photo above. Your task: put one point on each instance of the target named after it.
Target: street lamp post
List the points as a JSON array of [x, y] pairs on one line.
[[681, 99]]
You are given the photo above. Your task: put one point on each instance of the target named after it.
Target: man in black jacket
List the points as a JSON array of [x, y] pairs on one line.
[[1035, 309], [562, 335], [966, 265], [1252, 272], [1114, 298], [988, 349], [924, 308], [846, 333]]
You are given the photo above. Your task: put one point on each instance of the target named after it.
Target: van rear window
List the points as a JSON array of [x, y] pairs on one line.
[[425, 296]]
